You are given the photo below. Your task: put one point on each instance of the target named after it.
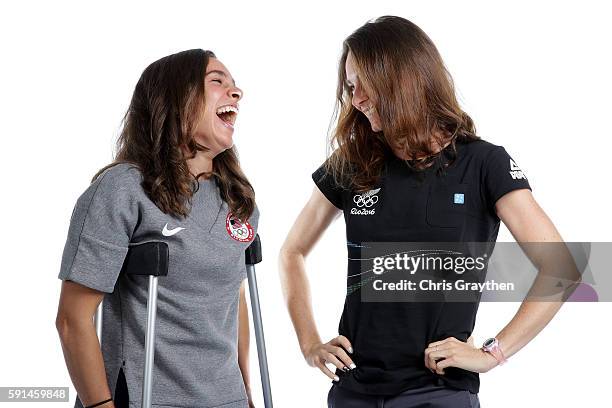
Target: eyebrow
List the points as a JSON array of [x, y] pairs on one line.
[[216, 71]]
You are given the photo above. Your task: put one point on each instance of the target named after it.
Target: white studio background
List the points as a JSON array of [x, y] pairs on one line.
[[533, 76]]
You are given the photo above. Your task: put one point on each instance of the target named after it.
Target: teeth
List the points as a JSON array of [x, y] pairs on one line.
[[227, 108]]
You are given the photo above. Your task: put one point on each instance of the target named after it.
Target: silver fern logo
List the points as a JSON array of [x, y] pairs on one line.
[[364, 202]]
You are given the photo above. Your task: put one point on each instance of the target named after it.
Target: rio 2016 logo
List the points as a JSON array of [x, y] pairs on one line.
[[364, 201]]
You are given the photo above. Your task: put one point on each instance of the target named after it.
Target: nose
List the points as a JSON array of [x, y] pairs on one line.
[[235, 93], [359, 97]]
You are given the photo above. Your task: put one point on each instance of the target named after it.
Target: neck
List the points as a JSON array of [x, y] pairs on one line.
[[201, 163]]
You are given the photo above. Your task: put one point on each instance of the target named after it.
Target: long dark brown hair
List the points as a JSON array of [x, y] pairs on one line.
[[402, 71], [157, 133]]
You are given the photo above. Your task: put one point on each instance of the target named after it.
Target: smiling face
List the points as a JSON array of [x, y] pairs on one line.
[[216, 126], [360, 99]]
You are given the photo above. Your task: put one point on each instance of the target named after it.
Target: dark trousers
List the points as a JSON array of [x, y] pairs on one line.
[[429, 396]]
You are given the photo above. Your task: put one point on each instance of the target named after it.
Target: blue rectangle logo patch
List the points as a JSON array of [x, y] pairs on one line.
[[459, 198]]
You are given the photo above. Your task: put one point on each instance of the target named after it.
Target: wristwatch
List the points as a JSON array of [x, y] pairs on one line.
[[492, 346]]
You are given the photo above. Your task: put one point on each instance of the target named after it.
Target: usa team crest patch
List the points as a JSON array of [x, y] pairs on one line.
[[240, 231]]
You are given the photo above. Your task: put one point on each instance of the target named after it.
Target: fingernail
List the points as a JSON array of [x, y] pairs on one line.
[[336, 378], [350, 349], [345, 368], [353, 366]]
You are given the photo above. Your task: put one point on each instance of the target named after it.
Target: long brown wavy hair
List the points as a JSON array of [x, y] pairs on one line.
[[403, 73], [157, 136]]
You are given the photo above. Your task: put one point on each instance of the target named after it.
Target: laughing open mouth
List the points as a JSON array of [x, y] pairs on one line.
[[228, 114]]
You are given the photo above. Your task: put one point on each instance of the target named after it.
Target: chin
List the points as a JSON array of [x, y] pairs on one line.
[[375, 127], [224, 139], [226, 144]]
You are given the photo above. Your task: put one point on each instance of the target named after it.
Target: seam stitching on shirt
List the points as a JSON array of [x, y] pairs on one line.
[[83, 224], [122, 333], [484, 172], [101, 241], [101, 177]]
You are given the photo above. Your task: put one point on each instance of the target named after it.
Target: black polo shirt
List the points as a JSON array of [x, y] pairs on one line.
[[457, 205]]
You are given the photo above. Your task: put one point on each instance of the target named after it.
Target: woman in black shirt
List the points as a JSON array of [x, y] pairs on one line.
[[407, 166]]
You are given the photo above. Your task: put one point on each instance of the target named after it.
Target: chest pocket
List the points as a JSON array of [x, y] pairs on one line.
[[447, 204]]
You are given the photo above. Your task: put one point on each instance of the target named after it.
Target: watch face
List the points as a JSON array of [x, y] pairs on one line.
[[489, 342]]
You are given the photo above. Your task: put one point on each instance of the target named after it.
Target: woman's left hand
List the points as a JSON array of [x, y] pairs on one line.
[[451, 352]]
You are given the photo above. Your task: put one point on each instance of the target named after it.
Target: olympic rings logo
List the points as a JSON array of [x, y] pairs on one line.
[[367, 199], [242, 232]]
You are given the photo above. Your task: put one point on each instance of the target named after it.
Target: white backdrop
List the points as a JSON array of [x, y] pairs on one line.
[[534, 77]]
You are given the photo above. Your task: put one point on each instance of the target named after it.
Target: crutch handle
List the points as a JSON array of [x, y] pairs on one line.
[[253, 252]]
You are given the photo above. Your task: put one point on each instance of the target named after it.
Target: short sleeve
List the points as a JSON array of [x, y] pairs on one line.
[[101, 226], [501, 175], [326, 184]]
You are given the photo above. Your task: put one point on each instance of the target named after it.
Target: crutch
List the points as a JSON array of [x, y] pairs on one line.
[[252, 257], [149, 259], [152, 259]]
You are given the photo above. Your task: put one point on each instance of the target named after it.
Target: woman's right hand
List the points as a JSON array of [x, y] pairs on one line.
[[318, 354]]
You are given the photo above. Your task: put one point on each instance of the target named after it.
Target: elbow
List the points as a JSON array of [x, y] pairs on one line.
[[284, 249], [282, 253], [65, 324], [288, 255], [61, 324], [291, 272], [284, 262]]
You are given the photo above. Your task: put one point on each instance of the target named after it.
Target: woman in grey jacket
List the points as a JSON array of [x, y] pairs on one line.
[[176, 178]]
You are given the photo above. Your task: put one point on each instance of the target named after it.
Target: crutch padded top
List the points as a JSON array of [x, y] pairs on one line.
[[150, 258]]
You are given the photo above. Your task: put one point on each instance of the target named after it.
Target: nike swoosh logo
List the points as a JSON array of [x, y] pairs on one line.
[[168, 233]]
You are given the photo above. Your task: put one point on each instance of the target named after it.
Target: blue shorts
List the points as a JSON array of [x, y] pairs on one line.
[[429, 396]]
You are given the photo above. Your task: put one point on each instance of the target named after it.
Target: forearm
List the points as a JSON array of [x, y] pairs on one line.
[[85, 362], [528, 321], [545, 298], [296, 291], [244, 370], [244, 337]]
